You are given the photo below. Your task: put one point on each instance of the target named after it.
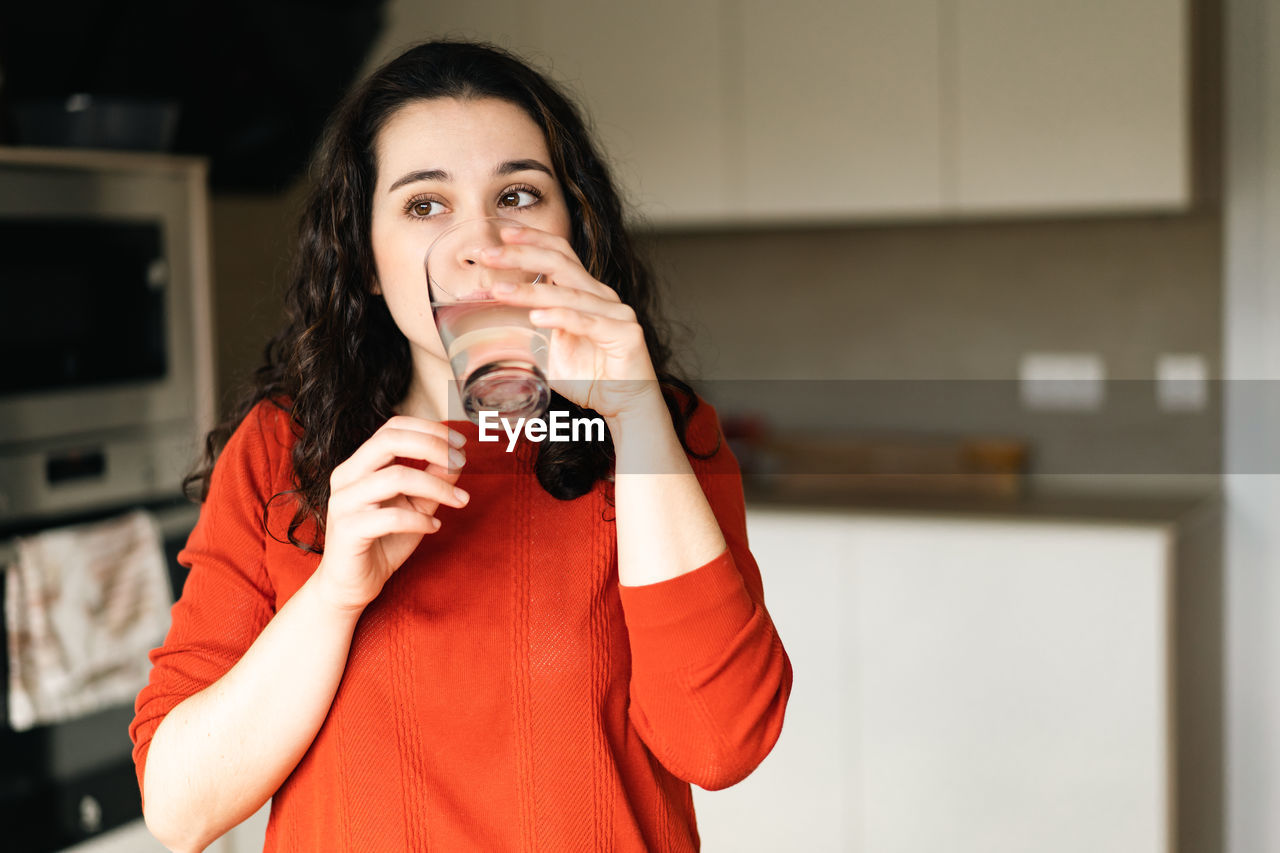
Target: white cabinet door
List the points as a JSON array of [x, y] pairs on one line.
[[1064, 106], [796, 799], [651, 75], [839, 109], [1012, 687], [983, 686]]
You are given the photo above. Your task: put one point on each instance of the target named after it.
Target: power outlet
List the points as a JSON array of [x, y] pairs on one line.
[[1182, 382], [1062, 381]]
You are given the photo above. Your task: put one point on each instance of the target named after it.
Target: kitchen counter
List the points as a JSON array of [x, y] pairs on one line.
[[1174, 509]]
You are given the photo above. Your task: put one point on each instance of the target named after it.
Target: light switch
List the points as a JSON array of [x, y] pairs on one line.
[[1062, 381]]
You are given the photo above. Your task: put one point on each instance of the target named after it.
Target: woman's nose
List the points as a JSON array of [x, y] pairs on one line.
[[481, 236]]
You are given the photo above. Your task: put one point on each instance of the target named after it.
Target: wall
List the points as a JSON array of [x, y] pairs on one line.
[[949, 301], [1252, 316], [935, 307], [252, 239]]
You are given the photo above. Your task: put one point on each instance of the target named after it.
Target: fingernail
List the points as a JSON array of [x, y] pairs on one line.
[[491, 252], [435, 523], [456, 438], [538, 314], [504, 287], [461, 495], [456, 458]]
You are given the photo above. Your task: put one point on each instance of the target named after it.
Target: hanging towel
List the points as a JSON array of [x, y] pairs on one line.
[[83, 606]]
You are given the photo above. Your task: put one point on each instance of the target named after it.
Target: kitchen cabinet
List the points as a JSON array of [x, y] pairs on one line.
[[1064, 106], [839, 109], [732, 112], [952, 108], [817, 111], [654, 84], [963, 685]]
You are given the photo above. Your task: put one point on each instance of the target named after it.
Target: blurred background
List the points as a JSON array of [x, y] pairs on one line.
[[984, 291]]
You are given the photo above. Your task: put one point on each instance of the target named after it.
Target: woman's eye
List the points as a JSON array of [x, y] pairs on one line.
[[423, 208], [517, 198]]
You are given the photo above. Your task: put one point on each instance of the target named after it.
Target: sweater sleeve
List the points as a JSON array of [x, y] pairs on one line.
[[227, 598], [709, 676]]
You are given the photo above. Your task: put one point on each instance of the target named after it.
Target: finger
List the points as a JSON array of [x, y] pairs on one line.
[[425, 505], [420, 425], [449, 474], [385, 484], [525, 235], [563, 269], [606, 332], [435, 443], [383, 450], [541, 296], [384, 521]]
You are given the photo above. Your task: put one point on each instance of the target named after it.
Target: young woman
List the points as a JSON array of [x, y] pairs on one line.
[[413, 640]]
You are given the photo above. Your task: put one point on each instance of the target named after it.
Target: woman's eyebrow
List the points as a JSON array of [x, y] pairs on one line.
[[508, 168], [420, 175], [512, 166]]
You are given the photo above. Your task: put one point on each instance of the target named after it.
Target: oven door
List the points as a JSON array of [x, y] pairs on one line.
[[64, 783]]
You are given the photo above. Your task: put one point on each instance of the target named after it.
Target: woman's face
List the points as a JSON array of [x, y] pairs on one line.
[[443, 161]]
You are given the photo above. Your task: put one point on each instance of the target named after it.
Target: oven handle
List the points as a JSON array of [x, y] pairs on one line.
[[172, 521]]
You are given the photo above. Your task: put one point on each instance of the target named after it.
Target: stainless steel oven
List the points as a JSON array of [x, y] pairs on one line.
[[106, 386], [106, 367], [63, 783]]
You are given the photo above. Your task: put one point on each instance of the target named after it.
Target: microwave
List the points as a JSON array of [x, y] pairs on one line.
[[106, 356]]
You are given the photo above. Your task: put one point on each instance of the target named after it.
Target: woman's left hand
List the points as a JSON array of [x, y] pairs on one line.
[[598, 358]]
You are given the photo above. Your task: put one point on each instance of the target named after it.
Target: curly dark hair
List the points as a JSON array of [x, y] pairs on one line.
[[340, 365]]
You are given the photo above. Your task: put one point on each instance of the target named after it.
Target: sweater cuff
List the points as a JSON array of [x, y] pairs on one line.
[[689, 619]]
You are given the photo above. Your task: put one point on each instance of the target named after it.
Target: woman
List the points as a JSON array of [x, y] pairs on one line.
[[413, 640]]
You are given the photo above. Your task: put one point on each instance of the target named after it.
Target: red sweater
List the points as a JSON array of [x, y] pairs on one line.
[[503, 692]]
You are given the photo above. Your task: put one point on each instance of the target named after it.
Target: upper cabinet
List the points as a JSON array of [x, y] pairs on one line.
[[729, 112], [836, 109], [1069, 106], [652, 81]]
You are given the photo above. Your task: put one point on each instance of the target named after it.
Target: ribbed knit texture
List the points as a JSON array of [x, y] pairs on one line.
[[503, 692]]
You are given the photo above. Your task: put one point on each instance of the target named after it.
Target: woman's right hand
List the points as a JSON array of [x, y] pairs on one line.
[[379, 510]]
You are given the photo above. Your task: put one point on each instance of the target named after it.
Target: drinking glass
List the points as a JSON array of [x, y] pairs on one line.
[[498, 356]]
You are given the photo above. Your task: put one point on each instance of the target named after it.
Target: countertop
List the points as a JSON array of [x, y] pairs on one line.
[[1155, 509]]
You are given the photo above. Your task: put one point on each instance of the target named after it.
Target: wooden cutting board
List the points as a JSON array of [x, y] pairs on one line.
[[927, 466]]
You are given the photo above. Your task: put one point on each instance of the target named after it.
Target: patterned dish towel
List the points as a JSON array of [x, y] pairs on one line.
[[83, 607]]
